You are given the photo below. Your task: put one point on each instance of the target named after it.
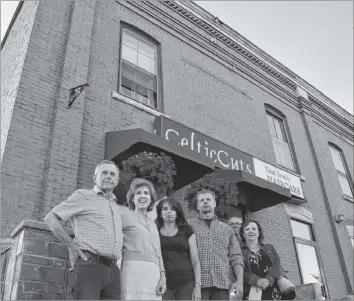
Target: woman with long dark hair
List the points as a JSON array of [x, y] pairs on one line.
[[179, 252], [262, 267]]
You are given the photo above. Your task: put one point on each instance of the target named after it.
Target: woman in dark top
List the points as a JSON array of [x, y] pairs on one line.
[[179, 252], [262, 267]]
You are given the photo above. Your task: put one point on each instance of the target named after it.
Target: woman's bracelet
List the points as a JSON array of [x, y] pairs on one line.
[[197, 282]]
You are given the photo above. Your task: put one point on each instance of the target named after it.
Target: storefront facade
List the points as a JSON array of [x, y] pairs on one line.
[[170, 70]]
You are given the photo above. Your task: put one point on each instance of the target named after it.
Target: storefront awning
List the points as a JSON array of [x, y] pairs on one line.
[[121, 145], [257, 193]]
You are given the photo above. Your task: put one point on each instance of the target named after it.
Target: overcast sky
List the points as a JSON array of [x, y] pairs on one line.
[[312, 38]]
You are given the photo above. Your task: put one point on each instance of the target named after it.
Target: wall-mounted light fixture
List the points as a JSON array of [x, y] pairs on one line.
[[339, 217]]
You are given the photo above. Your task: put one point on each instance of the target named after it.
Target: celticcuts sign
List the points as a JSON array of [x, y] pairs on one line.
[[217, 153], [224, 156]]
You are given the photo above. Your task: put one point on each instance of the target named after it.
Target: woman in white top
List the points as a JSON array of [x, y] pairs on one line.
[[142, 271]]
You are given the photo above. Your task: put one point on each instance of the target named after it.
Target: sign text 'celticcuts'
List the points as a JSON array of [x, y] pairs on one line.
[[224, 156], [217, 153]]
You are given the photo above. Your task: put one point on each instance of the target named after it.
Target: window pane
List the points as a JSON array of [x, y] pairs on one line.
[[128, 87], [139, 85], [350, 230], [337, 159], [138, 76], [129, 54], [271, 126], [146, 50], [282, 153], [146, 63], [308, 263], [344, 183], [279, 128], [130, 41], [301, 230]]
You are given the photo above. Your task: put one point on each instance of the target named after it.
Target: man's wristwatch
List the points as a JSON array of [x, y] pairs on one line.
[[197, 282]]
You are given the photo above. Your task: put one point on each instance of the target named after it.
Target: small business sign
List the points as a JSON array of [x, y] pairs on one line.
[[224, 156], [278, 176]]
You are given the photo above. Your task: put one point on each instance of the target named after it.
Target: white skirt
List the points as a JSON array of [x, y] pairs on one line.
[[139, 280]]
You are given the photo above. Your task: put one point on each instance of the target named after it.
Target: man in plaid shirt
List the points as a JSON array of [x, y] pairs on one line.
[[219, 251], [97, 225]]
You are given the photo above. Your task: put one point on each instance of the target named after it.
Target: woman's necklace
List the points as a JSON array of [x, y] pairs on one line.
[[145, 219]]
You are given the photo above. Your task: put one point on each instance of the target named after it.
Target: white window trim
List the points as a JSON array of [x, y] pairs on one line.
[[273, 114], [136, 35], [346, 174], [299, 212], [350, 233], [137, 104]]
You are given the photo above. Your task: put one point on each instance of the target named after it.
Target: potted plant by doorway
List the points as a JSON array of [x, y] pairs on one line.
[[225, 194], [157, 168]]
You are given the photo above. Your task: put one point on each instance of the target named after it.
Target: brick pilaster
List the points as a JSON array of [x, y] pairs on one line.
[[61, 175]]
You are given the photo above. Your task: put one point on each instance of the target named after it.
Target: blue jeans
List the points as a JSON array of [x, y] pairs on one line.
[[91, 280], [180, 293]]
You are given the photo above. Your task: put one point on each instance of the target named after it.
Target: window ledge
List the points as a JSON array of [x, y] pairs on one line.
[[137, 104], [348, 198], [302, 178], [297, 201]]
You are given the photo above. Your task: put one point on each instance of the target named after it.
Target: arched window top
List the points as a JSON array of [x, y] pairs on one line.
[[139, 32], [274, 111], [331, 144]]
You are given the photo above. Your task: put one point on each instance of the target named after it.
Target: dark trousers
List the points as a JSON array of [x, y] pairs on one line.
[[214, 293], [91, 280], [180, 293]]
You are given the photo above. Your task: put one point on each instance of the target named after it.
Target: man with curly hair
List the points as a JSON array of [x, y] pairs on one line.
[[219, 251]]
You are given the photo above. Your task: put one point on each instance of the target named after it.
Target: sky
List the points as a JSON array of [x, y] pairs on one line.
[[314, 39]]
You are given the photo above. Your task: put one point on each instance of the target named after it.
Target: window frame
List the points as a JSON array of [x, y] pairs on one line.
[[350, 235], [270, 110], [135, 31], [312, 243], [347, 175]]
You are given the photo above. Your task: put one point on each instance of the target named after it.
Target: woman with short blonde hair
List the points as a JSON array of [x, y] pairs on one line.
[[135, 184]]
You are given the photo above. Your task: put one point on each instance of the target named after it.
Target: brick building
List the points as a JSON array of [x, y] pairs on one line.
[[167, 71]]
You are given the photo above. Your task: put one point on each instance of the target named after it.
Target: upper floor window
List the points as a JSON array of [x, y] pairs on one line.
[[306, 250], [280, 141], [139, 68], [342, 172], [350, 230]]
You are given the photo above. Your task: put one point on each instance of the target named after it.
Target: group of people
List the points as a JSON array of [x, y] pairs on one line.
[[169, 258]]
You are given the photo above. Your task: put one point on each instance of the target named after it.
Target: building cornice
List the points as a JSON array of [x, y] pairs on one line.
[[228, 40], [242, 67], [234, 40], [331, 112]]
